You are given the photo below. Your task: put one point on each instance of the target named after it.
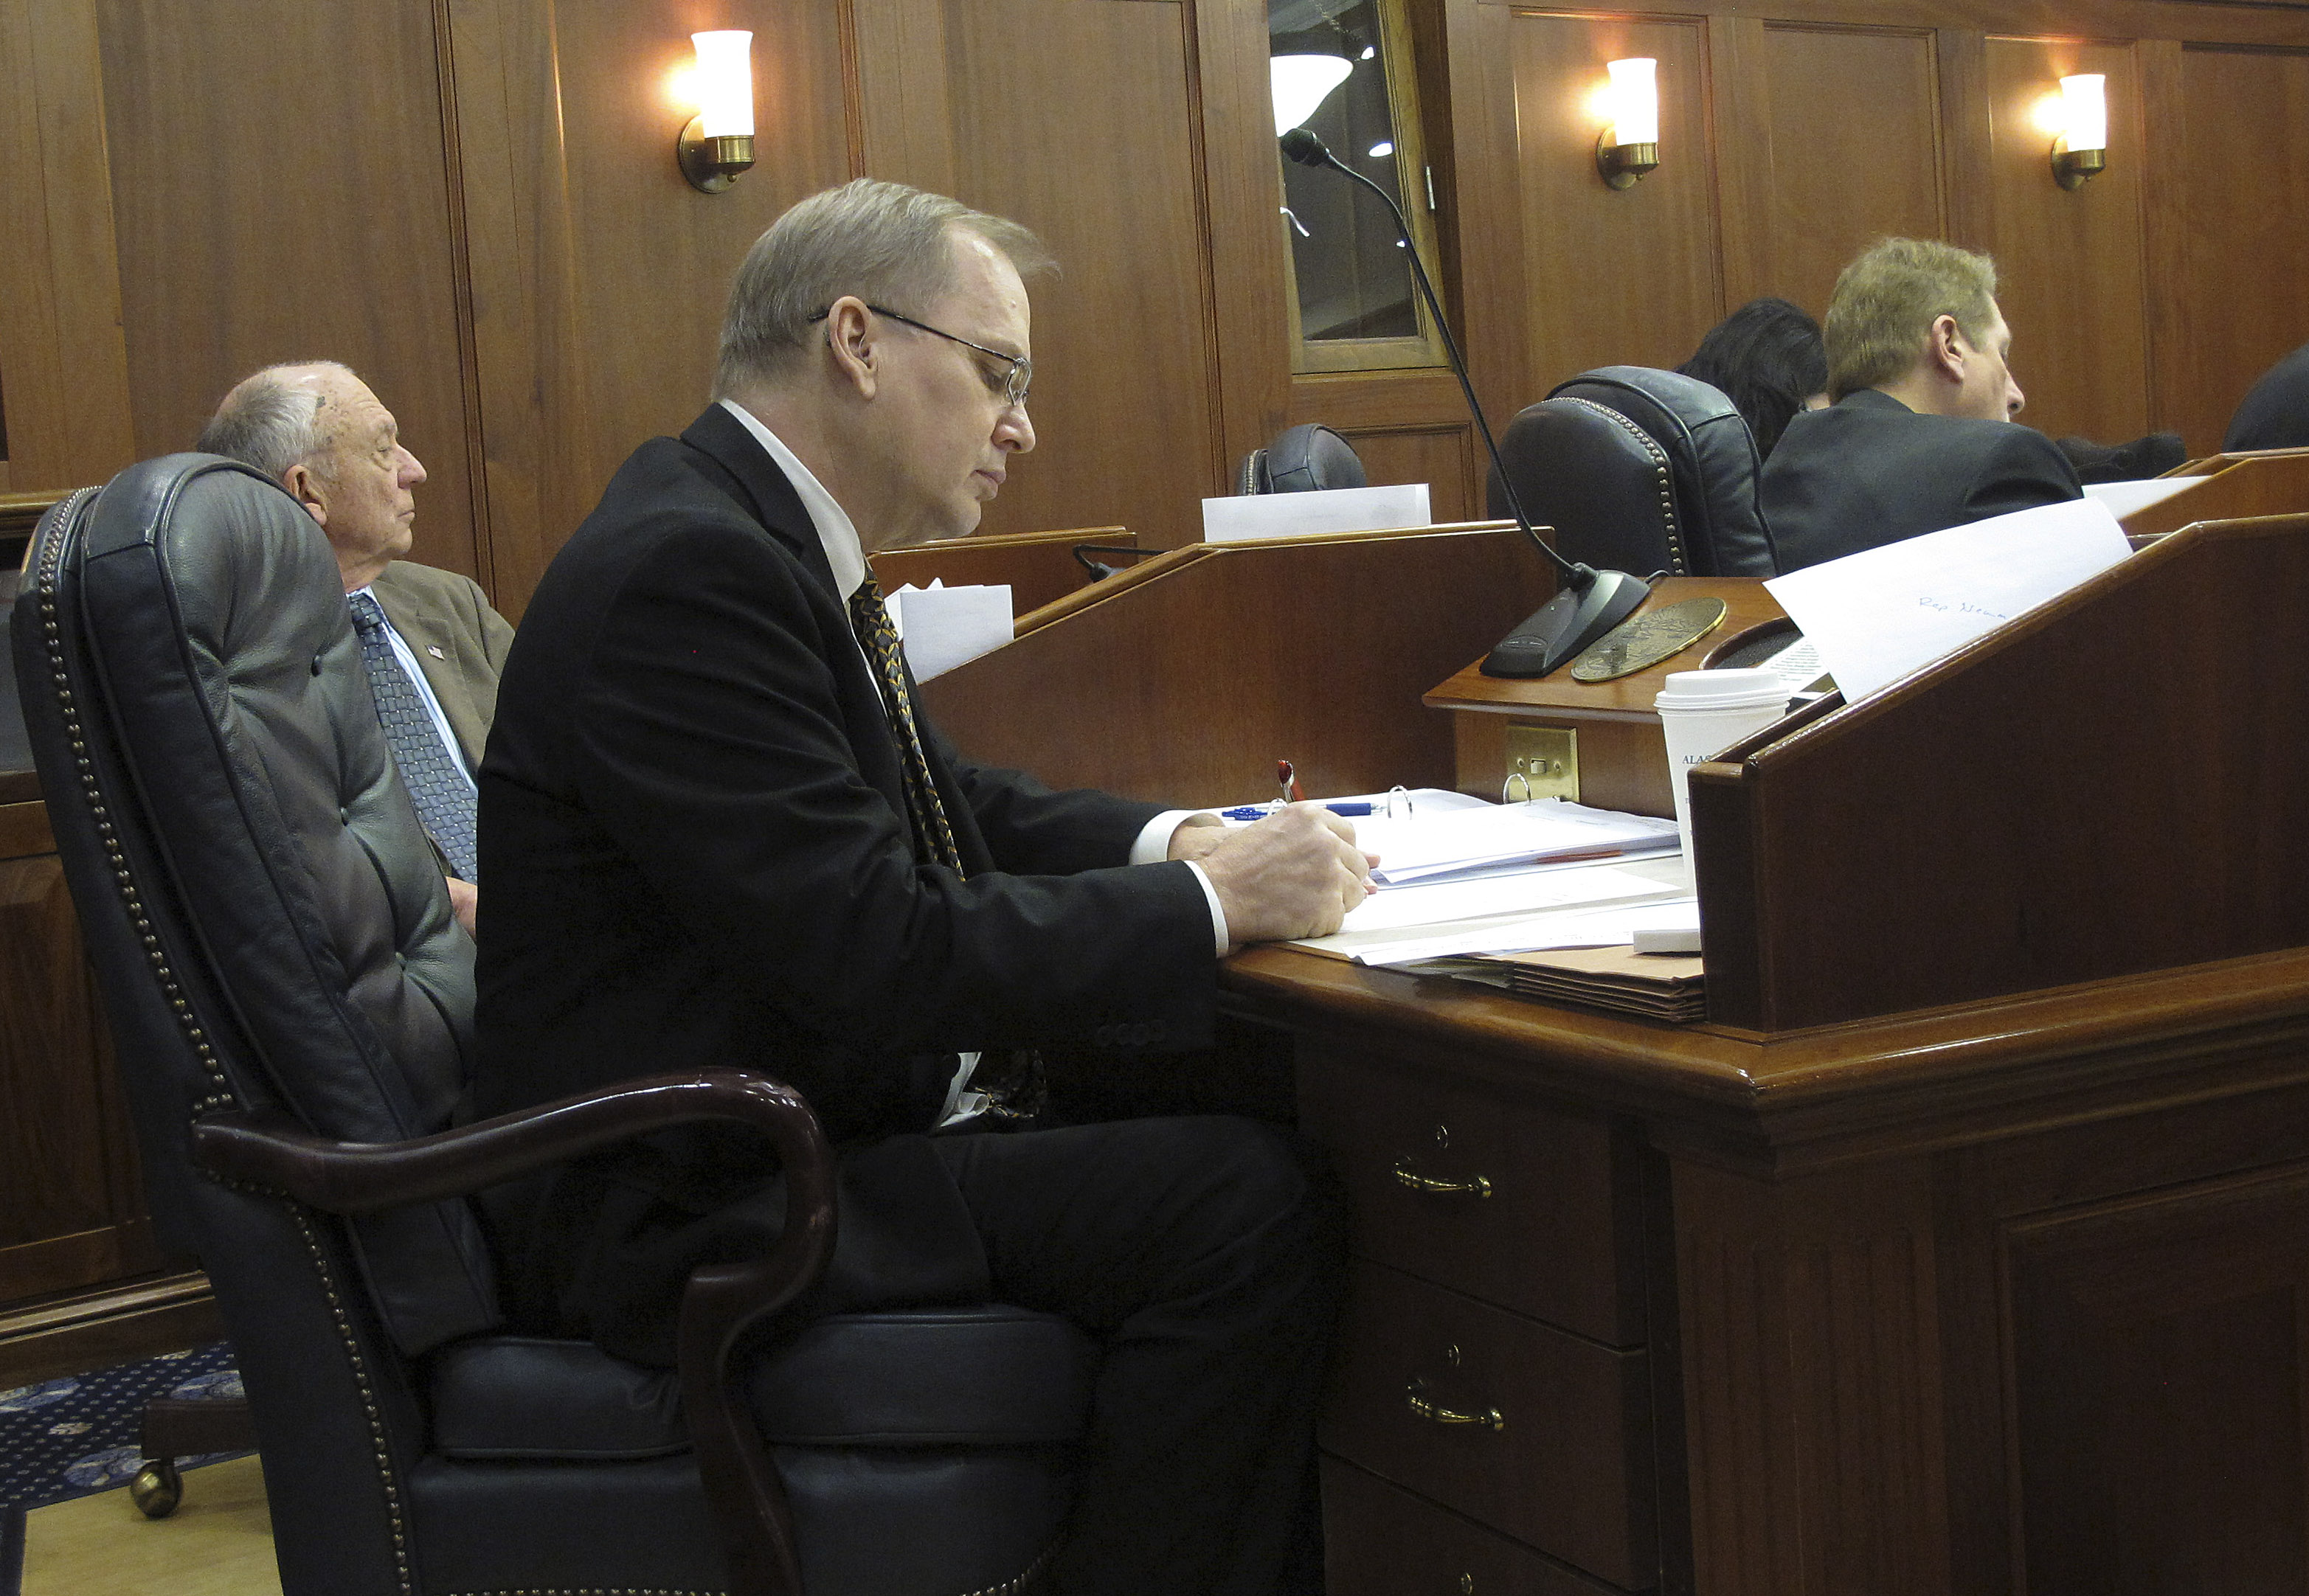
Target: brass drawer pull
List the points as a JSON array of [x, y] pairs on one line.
[[1405, 1175], [1415, 1396]]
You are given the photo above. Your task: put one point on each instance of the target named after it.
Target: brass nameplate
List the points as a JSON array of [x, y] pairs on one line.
[[1543, 762], [1648, 637]]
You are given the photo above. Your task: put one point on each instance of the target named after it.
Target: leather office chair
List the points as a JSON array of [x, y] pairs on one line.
[[291, 1003], [1641, 470], [1301, 459]]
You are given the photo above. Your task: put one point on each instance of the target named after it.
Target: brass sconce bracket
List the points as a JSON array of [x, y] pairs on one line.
[[2073, 169], [712, 164], [1621, 164]]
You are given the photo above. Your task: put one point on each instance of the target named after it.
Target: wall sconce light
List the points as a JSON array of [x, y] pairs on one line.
[[2080, 151], [1628, 146], [718, 144]]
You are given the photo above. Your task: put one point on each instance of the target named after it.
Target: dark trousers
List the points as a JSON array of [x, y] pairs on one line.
[[1206, 1254]]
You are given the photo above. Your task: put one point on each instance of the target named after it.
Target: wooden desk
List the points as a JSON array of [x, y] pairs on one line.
[[2004, 1296], [1998, 1292]]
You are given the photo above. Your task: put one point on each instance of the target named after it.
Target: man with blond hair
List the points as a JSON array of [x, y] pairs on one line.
[[720, 833], [432, 643], [1918, 435]]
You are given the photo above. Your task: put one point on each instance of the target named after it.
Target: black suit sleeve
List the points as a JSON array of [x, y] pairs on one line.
[[2024, 470], [714, 742]]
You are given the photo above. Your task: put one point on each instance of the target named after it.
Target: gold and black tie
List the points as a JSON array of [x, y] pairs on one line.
[[1013, 1082], [933, 837]]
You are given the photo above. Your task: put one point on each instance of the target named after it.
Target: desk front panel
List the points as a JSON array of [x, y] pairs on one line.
[[1518, 1425], [1383, 1541], [1469, 1189]]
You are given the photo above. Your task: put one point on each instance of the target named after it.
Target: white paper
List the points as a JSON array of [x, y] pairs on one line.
[[2123, 498], [1613, 926], [1249, 516], [1428, 846], [1498, 914], [1881, 614], [942, 628]]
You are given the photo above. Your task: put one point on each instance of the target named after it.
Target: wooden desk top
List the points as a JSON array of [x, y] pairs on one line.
[[1808, 1099]]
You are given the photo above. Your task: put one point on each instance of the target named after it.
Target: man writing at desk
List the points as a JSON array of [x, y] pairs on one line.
[[718, 834]]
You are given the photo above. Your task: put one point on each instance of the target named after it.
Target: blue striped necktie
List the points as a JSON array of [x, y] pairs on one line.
[[437, 783]]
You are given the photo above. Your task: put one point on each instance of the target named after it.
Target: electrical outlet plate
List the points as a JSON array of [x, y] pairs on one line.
[[1546, 758]]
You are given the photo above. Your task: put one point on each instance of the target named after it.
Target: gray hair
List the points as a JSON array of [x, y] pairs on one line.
[[884, 242], [267, 422]]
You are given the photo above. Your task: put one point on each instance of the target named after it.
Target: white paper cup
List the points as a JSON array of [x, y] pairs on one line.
[[1705, 712]]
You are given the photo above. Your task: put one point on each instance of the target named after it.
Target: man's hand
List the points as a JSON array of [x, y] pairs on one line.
[[1294, 874], [465, 898]]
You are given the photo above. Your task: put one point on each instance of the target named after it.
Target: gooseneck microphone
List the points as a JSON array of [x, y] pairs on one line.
[[1589, 602]]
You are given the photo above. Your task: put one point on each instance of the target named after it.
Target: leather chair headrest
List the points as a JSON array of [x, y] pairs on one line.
[[1711, 458], [1599, 479], [1300, 460]]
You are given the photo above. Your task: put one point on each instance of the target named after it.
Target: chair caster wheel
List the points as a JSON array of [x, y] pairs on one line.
[[157, 1489]]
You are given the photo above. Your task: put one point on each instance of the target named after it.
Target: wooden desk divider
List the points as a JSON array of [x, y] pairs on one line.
[[2268, 482], [2116, 783], [1185, 680], [1037, 566]]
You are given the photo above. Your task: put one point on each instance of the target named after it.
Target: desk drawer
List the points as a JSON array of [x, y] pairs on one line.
[[1558, 1233], [1382, 1542], [1561, 1454]]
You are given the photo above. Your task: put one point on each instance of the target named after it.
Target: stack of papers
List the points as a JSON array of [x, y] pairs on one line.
[[1488, 838], [1671, 988], [1542, 899]]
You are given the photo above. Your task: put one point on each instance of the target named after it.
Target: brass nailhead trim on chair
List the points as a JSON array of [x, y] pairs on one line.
[[1661, 474], [51, 557]]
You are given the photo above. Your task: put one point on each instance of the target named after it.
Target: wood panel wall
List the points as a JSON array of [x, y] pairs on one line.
[[1794, 132], [474, 203]]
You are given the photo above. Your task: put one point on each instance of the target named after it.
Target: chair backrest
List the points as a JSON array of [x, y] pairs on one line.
[[267, 924], [1641, 470], [1301, 459]]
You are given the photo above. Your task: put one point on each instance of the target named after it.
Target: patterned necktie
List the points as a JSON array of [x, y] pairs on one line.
[[1013, 1082], [933, 837], [436, 783]]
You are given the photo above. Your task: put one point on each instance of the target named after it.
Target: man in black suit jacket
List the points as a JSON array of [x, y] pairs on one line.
[[2274, 413], [710, 843], [1920, 435]]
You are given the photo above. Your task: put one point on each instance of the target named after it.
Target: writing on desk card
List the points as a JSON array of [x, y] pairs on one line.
[[1251, 516], [1881, 614]]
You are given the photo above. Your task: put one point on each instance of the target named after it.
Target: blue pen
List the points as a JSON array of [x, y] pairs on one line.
[[1261, 811]]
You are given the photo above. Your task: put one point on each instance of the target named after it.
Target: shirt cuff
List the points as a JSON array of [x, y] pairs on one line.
[[1218, 915], [1153, 846]]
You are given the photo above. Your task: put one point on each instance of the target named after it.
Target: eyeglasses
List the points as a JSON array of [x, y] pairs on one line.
[[1018, 374]]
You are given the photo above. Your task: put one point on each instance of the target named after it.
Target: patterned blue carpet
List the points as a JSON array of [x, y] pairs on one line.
[[69, 1437]]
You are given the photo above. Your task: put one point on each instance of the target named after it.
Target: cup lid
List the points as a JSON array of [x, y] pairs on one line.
[[1722, 690]]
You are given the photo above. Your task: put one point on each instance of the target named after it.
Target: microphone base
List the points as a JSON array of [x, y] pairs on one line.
[[1561, 629]]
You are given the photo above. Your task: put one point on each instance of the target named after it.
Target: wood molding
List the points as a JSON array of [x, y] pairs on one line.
[[1244, 254], [2276, 23], [62, 349], [904, 118], [89, 1330]]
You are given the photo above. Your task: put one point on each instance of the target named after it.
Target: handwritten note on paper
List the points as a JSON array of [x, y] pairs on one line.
[[1882, 613]]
